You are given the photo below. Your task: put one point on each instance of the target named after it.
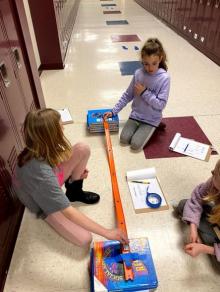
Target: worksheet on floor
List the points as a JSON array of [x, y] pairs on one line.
[[140, 182]]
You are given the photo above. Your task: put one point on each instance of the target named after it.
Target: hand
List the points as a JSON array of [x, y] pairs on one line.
[[84, 174], [194, 249], [117, 234], [138, 89], [107, 115], [193, 236]]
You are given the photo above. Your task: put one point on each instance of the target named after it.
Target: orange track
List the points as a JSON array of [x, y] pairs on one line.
[[118, 205]]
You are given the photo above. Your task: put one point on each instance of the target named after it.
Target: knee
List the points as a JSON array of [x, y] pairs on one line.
[[80, 149], [85, 240], [124, 139]]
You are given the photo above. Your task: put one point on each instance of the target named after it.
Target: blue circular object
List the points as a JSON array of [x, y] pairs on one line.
[[153, 200]]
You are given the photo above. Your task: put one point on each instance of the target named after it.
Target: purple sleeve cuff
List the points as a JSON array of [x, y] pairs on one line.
[[189, 219]]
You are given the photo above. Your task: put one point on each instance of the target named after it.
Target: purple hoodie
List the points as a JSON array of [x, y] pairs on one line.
[[193, 209], [149, 106]]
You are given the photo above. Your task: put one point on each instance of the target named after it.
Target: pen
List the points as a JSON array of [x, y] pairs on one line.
[[141, 182], [185, 147]]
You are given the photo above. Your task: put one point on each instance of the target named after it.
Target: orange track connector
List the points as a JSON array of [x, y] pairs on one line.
[[118, 205]]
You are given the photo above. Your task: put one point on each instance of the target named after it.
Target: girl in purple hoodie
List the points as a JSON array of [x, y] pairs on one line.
[[148, 91], [202, 212]]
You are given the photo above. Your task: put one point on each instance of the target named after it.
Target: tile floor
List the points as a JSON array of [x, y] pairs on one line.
[[44, 262]]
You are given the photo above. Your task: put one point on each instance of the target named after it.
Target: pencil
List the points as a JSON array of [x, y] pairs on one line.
[[141, 182], [185, 147]]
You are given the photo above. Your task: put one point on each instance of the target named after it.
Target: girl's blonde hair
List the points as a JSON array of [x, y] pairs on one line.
[[154, 47], [214, 196], [44, 138]]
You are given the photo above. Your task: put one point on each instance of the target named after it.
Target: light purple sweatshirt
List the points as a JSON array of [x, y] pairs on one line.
[[193, 209], [149, 106]]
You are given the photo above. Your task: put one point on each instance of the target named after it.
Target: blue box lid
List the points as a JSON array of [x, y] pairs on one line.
[[107, 272]]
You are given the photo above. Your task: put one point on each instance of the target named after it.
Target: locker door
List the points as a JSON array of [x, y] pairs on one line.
[[209, 42], [216, 48], [170, 8], [15, 53], [179, 14], [192, 25], [11, 209], [186, 21], [200, 19], [13, 100], [207, 19]]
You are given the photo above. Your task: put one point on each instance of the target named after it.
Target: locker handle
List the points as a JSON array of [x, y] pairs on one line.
[[4, 74], [17, 57]]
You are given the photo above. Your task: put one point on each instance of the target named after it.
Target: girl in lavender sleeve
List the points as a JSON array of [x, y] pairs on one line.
[[202, 212], [148, 91]]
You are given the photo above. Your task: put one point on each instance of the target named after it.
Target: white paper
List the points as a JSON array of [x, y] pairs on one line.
[[141, 174], [139, 190], [175, 141], [189, 147], [65, 115]]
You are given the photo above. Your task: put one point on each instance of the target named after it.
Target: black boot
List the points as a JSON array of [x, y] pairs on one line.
[[74, 192]]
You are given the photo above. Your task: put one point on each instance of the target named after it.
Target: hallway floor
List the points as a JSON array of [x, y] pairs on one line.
[[43, 261]]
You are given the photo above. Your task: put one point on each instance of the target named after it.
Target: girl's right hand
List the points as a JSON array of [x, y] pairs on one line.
[[193, 236], [117, 234], [107, 115]]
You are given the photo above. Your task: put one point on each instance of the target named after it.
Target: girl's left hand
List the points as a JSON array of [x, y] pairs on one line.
[[194, 249], [84, 174], [138, 89]]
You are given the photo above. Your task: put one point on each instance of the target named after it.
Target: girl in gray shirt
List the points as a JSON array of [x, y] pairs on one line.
[[47, 161]]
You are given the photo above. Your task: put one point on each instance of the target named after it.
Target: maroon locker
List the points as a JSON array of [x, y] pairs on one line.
[[10, 145], [164, 9], [175, 13], [155, 7], [170, 8], [16, 55], [11, 209], [216, 47], [178, 21], [209, 42], [192, 19], [186, 20], [207, 19], [161, 9], [199, 20], [14, 103]]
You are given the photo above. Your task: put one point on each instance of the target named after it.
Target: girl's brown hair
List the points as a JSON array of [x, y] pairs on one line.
[[213, 196], [44, 138], [154, 47]]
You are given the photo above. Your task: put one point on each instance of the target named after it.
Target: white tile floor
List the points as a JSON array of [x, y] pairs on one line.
[[44, 262]]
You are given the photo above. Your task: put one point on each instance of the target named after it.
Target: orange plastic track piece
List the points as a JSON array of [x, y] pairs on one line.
[[118, 205]]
